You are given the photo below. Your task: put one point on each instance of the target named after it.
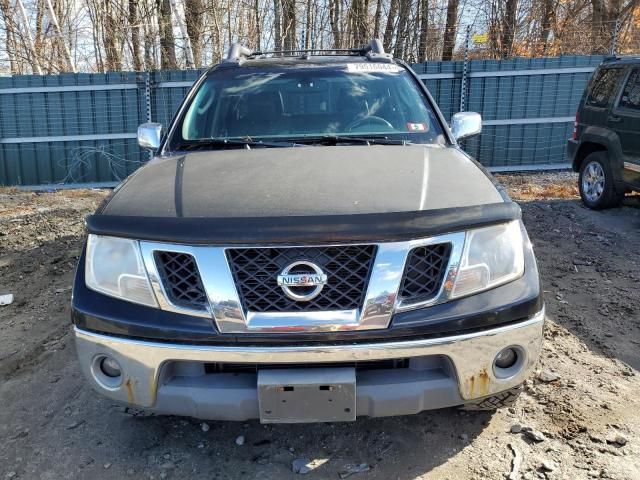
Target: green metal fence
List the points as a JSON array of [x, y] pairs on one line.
[[81, 128]]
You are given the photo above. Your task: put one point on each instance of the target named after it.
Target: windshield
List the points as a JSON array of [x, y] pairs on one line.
[[363, 100]]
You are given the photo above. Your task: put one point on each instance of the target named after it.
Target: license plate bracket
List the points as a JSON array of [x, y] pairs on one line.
[[307, 395]]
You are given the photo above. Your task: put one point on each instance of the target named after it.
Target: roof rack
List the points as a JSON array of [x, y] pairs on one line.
[[374, 51]]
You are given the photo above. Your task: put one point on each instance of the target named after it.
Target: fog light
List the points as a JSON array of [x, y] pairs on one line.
[[506, 358], [110, 368]]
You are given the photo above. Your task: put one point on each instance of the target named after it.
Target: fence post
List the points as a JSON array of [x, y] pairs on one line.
[[147, 99], [463, 85], [614, 38]]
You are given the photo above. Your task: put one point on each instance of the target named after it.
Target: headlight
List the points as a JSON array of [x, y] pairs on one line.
[[114, 267], [492, 256]]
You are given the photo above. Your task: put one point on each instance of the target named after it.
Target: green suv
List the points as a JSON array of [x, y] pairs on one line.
[[605, 147]]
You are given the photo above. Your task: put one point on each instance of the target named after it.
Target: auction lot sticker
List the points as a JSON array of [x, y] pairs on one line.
[[366, 67], [417, 127]]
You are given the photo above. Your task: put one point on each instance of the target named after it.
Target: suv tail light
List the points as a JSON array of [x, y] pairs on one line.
[[575, 127]]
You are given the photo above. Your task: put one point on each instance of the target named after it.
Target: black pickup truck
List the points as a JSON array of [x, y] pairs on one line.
[[309, 244]]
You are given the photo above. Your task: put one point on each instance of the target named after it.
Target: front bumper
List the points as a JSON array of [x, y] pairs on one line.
[[441, 372]]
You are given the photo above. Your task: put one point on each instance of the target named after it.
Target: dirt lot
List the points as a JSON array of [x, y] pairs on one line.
[[53, 426]]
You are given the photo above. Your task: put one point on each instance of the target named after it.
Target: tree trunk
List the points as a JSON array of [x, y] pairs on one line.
[[136, 52], [358, 22], [149, 34], [376, 19], [289, 24], [258, 20], [597, 18], [391, 20], [113, 58], [308, 28], [194, 16], [277, 24], [450, 30], [167, 41], [39, 37], [10, 40], [548, 17], [508, 28], [334, 21], [402, 34], [424, 30]]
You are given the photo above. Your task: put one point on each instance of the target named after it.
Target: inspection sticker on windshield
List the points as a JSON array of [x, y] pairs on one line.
[[416, 127], [372, 67]]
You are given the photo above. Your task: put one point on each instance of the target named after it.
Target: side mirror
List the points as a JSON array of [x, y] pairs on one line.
[[149, 135], [466, 124]]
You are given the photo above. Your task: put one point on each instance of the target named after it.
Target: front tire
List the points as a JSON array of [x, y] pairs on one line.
[[596, 183]]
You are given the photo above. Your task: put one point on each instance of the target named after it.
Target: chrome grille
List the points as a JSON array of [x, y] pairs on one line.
[[181, 279], [424, 271], [347, 267]]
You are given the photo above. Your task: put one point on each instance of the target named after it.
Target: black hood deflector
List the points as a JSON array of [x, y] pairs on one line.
[[371, 227]]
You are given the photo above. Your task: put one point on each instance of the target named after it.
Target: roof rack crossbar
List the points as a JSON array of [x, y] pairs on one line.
[[374, 51], [303, 51]]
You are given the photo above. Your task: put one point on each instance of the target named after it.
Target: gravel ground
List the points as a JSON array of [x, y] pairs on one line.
[[582, 404]]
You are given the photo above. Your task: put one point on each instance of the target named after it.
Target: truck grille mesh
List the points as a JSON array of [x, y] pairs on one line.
[[424, 272], [181, 279], [255, 271]]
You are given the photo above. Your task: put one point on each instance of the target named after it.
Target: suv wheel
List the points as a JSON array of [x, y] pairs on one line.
[[596, 184]]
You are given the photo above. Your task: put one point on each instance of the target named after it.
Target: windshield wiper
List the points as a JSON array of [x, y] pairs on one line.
[[336, 139], [221, 142]]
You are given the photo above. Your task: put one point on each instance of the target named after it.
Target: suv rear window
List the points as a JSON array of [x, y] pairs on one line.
[[278, 102], [603, 87], [631, 94]]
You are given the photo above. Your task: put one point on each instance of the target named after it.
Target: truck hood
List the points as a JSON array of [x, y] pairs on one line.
[[305, 181]]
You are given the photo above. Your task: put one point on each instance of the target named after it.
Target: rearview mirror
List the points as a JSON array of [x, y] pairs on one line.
[[149, 135], [466, 124]]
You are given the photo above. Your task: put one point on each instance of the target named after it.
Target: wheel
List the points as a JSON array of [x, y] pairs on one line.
[[597, 187], [499, 400]]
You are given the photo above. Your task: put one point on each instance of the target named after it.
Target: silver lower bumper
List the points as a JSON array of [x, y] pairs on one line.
[[171, 378]]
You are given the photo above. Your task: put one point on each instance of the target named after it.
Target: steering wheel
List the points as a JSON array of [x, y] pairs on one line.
[[370, 120]]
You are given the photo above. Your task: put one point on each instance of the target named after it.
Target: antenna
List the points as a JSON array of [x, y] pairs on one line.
[[237, 53], [374, 51]]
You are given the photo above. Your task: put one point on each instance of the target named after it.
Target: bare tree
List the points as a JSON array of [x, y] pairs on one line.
[[288, 24], [136, 51], [104, 35], [194, 14], [424, 29], [148, 25], [334, 20], [377, 17], [277, 24], [11, 28], [402, 30], [450, 30], [508, 28], [390, 28], [359, 22], [111, 35], [548, 18], [168, 59]]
